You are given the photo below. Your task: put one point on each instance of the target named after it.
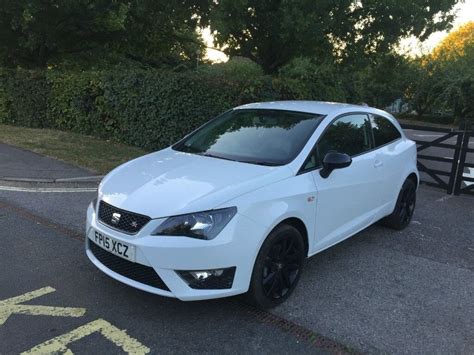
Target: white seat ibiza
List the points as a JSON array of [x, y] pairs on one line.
[[239, 204]]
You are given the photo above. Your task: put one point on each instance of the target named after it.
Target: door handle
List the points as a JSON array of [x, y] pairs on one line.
[[378, 163]]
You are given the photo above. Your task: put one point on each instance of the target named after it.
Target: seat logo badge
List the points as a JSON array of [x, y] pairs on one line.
[[116, 218]]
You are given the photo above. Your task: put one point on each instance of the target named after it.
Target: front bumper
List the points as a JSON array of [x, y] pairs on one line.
[[236, 246]]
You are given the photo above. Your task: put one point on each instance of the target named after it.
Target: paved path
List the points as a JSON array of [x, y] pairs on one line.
[[19, 163]]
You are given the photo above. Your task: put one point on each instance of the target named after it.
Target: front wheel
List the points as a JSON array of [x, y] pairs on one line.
[[405, 207], [278, 267]]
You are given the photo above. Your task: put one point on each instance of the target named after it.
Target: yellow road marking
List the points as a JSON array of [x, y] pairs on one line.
[[11, 306], [112, 333]]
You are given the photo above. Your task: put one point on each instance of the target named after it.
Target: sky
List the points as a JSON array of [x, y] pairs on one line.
[[213, 54], [465, 13]]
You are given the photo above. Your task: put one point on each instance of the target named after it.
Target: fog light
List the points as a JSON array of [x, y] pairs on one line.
[[203, 275], [217, 279]]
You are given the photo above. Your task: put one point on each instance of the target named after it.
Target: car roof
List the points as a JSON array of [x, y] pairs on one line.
[[317, 107]]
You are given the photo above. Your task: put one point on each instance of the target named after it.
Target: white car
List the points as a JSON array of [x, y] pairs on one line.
[[239, 204]]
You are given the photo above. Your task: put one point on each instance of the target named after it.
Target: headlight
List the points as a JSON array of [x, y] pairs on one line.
[[202, 225]]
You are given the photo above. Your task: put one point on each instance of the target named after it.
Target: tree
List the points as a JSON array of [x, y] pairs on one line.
[[455, 43], [444, 79], [34, 31], [37, 33], [272, 32], [454, 57], [164, 31], [303, 78], [425, 86]]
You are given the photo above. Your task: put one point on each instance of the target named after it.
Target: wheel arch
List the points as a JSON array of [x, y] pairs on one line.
[[413, 177], [300, 226]]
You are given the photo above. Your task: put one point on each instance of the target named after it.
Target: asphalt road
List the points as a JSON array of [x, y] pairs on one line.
[[381, 291], [37, 253], [18, 163]]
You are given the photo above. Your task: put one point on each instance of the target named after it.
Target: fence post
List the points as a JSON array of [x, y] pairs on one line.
[[457, 152], [462, 157]]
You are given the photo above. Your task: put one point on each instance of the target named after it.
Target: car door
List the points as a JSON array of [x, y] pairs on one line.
[[388, 143], [348, 199]]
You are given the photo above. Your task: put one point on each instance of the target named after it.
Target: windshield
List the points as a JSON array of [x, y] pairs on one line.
[[266, 137]]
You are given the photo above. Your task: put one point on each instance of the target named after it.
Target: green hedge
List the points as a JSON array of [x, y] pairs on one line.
[[149, 109], [23, 98], [152, 109]]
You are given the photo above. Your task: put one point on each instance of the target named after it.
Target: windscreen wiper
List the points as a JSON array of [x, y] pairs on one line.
[[260, 162], [216, 156]]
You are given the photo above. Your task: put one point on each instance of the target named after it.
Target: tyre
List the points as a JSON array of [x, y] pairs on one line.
[[278, 267], [405, 207]]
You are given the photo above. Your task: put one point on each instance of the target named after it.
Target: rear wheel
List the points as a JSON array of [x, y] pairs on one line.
[[405, 207], [278, 267]]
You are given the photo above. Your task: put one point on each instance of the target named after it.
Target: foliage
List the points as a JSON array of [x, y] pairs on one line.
[[153, 108], [238, 68], [302, 78], [454, 44], [24, 98], [380, 82], [424, 87], [5, 102], [146, 108], [73, 101], [454, 57], [444, 80], [37, 33], [272, 33]]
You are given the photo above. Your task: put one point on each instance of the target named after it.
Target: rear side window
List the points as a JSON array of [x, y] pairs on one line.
[[349, 134], [384, 130]]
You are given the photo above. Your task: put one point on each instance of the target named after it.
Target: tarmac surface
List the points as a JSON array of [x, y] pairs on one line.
[[18, 163], [380, 291]]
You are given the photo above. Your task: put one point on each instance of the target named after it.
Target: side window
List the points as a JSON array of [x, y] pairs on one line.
[[350, 134], [384, 130], [312, 161]]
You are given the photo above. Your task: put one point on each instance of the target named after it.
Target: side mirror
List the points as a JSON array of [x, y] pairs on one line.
[[332, 161]]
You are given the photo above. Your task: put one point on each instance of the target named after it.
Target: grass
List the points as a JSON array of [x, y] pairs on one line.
[[98, 155]]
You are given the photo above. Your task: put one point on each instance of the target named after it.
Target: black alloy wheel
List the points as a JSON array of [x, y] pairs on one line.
[[281, 267], [405, 207], [278, 267]]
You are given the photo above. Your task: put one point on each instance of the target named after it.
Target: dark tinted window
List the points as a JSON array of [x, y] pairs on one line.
[[271, 137], [349, 134], [384, 131]]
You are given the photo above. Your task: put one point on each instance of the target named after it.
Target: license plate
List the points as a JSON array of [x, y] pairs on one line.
[[114, 246]]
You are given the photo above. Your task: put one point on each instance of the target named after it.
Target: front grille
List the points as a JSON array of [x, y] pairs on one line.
[[134, 271], [122, 220]]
